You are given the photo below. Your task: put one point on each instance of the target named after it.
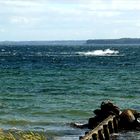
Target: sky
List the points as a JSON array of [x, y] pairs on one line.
[[26, 20]]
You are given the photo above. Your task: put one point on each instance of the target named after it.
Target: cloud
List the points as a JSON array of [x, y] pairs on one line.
[[21, 6], [26, 20], [85, 18], [23, 20], [125, 5], [80, 4], [112, 4], [21, 3], [69, 8]]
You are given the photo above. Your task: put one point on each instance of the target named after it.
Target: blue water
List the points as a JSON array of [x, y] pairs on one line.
[[45, 88]]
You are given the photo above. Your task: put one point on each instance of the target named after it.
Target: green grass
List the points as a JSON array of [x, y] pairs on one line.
[[21, 135]]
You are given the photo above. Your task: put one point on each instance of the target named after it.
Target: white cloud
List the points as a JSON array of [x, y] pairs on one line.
[[125, 4], [21, 6], [55, 17], [21, 3], [22, 20], [69, 8], [113, 5], [107, 13], [78, 4]]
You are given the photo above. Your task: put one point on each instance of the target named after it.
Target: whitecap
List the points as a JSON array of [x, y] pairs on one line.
[[3, 50], [106, 52]]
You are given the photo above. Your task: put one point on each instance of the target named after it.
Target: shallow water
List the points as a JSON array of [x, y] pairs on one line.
[[45, 88]]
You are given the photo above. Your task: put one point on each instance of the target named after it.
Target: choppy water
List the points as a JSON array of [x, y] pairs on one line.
[[45, 88]]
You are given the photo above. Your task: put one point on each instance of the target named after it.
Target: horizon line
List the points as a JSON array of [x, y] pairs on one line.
[[67, 39]]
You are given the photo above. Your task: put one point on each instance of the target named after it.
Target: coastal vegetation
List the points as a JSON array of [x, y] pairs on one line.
[[21, 135]]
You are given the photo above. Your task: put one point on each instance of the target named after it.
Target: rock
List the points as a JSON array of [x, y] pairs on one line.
[[127, 119], [97, 112], [110, 107], [94, 121], [135, 113]]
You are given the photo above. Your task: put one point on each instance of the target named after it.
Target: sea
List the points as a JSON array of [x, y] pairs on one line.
[[45, 88]]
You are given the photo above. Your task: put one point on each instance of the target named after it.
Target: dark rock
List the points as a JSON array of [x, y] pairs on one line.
[[127, 119], [110, 107], [94, 121]]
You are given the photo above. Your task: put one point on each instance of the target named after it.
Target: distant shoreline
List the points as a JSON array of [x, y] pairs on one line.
[[114, 41], [121, 41]]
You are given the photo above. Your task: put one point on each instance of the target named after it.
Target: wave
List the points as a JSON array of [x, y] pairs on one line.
[[38, 54], [106, 52]]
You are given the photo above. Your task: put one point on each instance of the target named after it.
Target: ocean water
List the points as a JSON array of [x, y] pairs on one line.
[[45, 88]]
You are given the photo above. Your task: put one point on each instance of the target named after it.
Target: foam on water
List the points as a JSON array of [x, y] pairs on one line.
[[106, 52]]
